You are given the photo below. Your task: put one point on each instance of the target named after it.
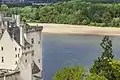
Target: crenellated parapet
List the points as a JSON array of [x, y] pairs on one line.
[[33, 28]]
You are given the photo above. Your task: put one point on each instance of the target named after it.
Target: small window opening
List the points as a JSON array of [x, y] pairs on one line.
[[2, 48], [26, 60], [19, 49], [28, 47], [24, 48], [32, 40], [15, 62], [39, 60], [2, 31], [2, 59], [16, 56], [32, 53], [38, 42], [25, 54], [15, 49]]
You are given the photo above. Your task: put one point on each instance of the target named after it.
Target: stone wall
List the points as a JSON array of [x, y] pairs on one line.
[[13, 76]]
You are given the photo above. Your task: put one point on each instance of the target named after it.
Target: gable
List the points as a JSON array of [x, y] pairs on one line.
[[5, 36]]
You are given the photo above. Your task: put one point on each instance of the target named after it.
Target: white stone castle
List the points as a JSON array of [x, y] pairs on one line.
[[20, 50]]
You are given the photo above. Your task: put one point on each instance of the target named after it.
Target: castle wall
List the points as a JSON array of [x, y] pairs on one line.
[[36, 36], [25, 66]]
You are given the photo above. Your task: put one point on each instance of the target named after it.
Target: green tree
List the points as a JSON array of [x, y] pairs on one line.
[[4, 7], [106, 44], [26, 12], [105, 65], [95, 77], [115, 22], [71, 73]]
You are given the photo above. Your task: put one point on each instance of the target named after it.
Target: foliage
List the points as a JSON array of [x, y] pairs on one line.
[[4, 7], [106, 65], [76, 73], [95, 77], [71, 12], [71, 73]]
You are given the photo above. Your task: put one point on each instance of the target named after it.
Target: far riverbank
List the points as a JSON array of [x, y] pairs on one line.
[[78, 29]]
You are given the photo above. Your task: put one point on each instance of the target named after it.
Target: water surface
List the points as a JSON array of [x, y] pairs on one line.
[[66, 50]]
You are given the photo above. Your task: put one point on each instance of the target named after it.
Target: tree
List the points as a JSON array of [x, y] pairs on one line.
[[26, 12], [115, 22], [4, 7], [71, 73], [95, 77], [107, 48], [105, 65]]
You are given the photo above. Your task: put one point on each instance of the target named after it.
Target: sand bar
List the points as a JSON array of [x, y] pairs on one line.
[[78, 29]]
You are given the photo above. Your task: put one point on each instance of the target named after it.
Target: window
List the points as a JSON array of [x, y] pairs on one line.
[[16, 56], [28, 47], [32, 53], [2, 60], [26, 60], [2, 31], [2, 48], [32, 40], [25, 54], [38, 42], [19, 49], [24, 48], [39, 60], [15, 62], [15, 49]]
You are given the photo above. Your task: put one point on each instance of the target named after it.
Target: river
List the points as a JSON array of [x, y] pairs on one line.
[[60, 50]]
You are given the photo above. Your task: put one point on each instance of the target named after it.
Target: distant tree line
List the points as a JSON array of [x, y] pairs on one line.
[[70, 12]]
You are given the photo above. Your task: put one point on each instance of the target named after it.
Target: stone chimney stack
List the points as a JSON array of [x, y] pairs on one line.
[[22, 34], [17, 19]]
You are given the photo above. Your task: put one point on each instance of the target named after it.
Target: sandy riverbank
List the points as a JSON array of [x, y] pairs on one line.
[[78, 29]]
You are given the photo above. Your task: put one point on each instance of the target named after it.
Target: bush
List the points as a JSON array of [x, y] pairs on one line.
[[92, 24]]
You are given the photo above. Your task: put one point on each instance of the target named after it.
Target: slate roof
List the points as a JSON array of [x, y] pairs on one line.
[[35, 68]]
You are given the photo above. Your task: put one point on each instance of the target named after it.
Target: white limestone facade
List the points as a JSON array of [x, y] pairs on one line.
[[20, 50]]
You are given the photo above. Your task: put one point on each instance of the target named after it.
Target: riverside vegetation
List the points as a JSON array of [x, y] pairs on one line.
[[81, 12], [105, 67]]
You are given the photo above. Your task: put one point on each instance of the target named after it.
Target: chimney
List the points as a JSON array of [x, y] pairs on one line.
[[22, 35], [17, 19]]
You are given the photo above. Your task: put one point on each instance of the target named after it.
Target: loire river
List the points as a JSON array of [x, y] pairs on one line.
[[66, 50]]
